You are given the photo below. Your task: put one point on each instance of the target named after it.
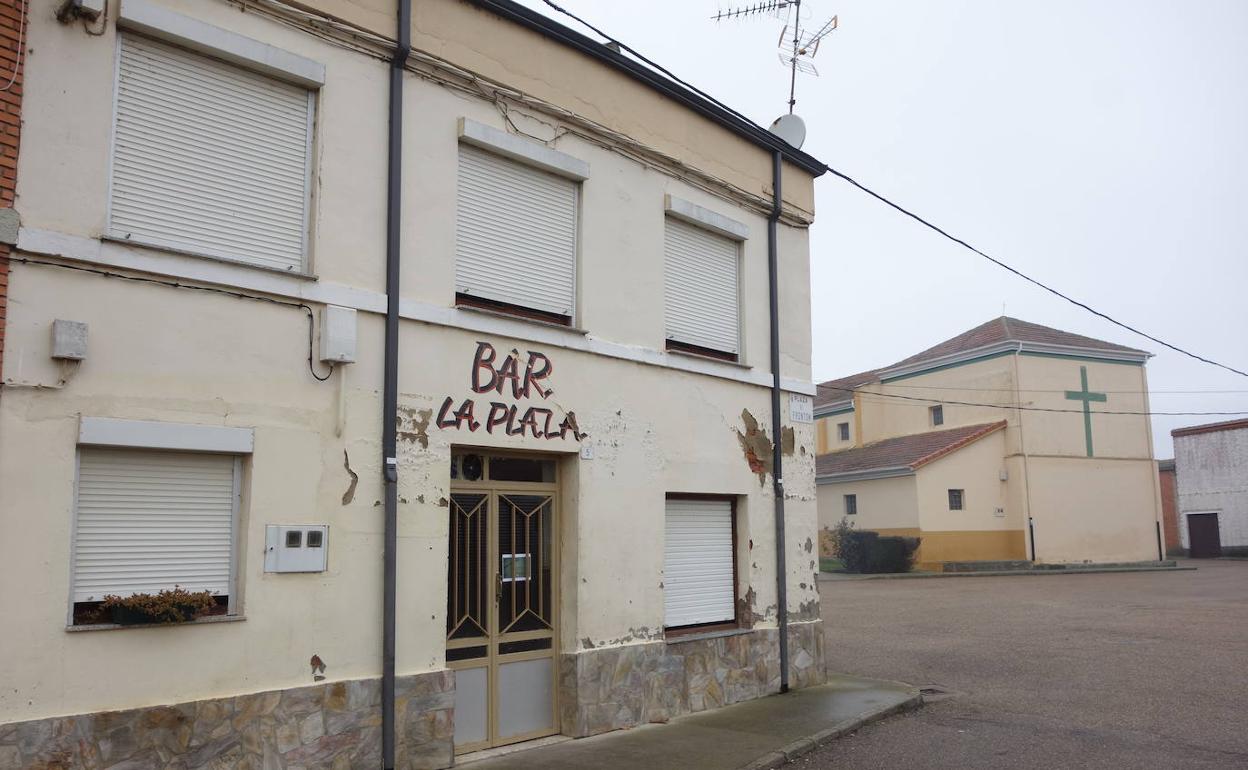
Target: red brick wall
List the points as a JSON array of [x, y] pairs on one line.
[[1169, 516], [12, 61]]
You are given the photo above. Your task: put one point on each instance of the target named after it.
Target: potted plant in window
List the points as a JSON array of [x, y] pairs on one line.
[[168, 606]]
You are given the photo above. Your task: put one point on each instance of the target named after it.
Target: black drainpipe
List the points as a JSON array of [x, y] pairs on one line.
[[777, 463], [390, 389]]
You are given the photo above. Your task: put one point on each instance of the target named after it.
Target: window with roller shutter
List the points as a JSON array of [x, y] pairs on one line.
[[702, 295], [699, 571], [210, 158], [147, 521], [516, 237]]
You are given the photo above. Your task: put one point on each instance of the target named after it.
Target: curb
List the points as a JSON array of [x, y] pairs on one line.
[[797, 748], [1003, 573]]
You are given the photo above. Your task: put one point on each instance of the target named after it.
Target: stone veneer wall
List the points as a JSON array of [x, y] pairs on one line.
[[336, 726], [614, 688]]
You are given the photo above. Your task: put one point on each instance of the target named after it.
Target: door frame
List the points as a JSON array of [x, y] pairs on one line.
[[1187, 526], [493, 490]]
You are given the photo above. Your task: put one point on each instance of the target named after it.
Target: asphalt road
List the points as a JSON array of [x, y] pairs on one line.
[[1134, 670]]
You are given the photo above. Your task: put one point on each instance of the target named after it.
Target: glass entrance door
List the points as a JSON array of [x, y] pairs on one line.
[[501, 599]]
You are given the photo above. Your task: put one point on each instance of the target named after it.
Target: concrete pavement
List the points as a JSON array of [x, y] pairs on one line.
[[757, 734], [1136, 670]]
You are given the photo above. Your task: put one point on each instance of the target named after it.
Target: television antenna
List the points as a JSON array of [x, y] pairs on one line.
[[796, 52]]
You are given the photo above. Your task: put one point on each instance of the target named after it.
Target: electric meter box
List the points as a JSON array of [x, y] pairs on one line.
[[296, 547], [338, 334]]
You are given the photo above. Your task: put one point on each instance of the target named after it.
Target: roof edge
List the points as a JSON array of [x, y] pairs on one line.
[[867, 475], [1011, 346], [950, 449], [1213, 427], [836, 407], [742, 127]]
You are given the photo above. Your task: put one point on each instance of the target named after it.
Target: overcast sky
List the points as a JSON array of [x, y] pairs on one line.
[[1101, 147]]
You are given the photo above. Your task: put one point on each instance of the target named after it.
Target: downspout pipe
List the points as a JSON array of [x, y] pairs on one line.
[[777, 460], [390, 388]]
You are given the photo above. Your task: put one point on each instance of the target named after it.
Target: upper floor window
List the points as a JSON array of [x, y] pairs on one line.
[[851, 505], [702, 255], [516, 237], [210, 158], [938, 415], [842, 431]]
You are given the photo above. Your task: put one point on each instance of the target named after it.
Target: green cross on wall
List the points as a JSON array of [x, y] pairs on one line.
[[1087, 397]]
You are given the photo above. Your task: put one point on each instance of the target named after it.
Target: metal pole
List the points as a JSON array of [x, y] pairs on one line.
[[777, 461], [390, 388]]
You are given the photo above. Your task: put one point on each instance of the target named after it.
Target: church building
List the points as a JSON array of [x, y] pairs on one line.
[[1012, 441]]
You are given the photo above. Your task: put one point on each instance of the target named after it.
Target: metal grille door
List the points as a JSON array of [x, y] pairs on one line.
[[501, 611]]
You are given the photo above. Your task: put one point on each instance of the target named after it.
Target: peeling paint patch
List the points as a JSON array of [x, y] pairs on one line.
[[443, 502], [755, 446], [808, 610], [413, 425], [809, 546], [587, 643], [349, 495], [745, 609], [787, 440]]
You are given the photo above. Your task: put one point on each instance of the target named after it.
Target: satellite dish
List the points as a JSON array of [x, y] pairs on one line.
[[791, 129]]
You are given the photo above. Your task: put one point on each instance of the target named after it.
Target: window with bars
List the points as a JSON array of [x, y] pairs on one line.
[[957, 499]]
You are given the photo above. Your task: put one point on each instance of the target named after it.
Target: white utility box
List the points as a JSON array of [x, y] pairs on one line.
[[338, 334], [69, 340], [296, 547]]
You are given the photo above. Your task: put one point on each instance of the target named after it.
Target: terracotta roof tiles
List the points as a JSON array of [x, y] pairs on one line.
[[910, 452]]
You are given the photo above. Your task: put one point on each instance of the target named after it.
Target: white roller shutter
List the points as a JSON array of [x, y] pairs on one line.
[[702, 295], [698, 580], [515, 233], [148, 521], [209, 157]]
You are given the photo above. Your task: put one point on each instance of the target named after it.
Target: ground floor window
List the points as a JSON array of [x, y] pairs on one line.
[[699, 562], [957, 499], [148, 521]]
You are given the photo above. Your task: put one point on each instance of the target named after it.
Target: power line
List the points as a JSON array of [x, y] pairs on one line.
[[903, 210], [1031, 280], [1036, 408], [1059, 390]]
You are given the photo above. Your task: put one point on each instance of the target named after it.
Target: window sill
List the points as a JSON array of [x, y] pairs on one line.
[[211, 619], [522, 319], [704, 635], [211, 257], [713, 359]]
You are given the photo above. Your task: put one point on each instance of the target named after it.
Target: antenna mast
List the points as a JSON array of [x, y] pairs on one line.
[[798, 52]]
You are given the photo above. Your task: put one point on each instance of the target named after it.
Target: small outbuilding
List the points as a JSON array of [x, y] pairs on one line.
[[1211, 468]]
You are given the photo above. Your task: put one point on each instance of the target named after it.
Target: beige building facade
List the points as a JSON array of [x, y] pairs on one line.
[[193, 389], [982, 447]]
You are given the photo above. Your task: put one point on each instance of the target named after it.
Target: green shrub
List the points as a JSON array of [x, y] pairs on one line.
[[868, 552]]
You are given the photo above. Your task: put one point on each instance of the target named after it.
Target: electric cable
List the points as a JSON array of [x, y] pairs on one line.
[[905, 211], [1034, 408], [194, 287]]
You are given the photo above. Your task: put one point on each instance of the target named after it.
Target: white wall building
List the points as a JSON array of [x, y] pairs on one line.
[[1211, 471], [193, 389]]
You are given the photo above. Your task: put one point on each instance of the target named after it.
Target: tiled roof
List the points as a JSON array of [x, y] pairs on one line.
[[1006, 329], [996, 331], [840, 390], [903, 451]]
